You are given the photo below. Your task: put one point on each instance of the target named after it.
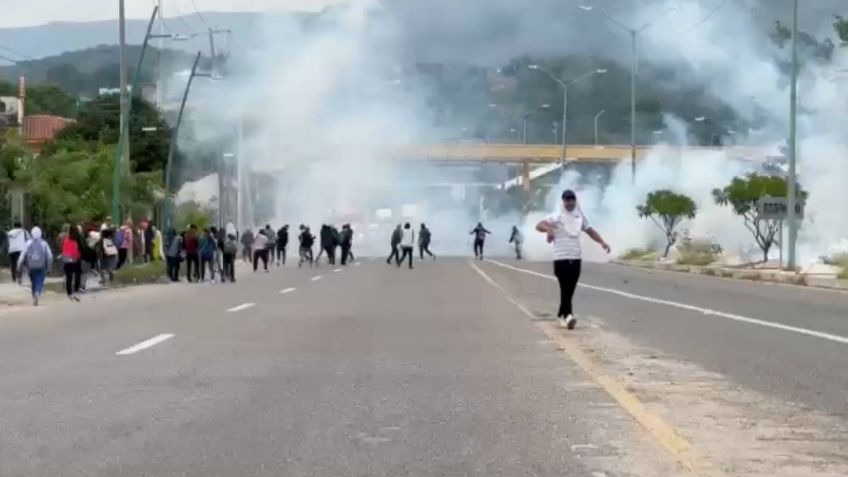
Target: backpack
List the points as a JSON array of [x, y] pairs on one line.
[[119, 238], [36, 256], [230, 247]]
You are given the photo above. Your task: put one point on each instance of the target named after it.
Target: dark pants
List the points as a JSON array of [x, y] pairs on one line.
[[173, 264], [407, 251], [229, 272], [73, 277], [425, 248], [331, 254], [345, 253], [567, 273], [210, 263], [305, 256], [395, 254], [246, 254], [281, 254], [192, 264], [517, 251], [260, 255], [13, 264], [122, 258], [478, 248]]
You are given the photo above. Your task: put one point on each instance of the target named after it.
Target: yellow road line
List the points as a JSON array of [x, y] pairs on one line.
[[661, 431]]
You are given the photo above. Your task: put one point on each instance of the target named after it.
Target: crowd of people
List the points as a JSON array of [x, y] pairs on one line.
[[81, 250], [102, 250]]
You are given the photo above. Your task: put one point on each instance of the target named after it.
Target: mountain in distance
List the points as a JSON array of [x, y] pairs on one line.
[[51, 39]]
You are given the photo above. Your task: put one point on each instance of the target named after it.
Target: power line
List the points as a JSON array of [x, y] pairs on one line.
[[17, 52], [196, 10], [14, 62], [708, 16], [175, 3]]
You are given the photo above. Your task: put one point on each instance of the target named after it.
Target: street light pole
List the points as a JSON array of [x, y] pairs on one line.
[[793, 113], [123, 146], [564, 85], [596, 125], [633, 69], [527, 114]]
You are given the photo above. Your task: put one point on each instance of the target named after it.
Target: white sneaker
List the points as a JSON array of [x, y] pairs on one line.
[[561, 322], [570, 322]]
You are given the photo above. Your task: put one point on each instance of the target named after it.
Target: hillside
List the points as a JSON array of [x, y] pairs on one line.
[[84, 71]]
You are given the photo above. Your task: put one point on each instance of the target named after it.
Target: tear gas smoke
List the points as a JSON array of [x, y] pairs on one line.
[[321, 102]]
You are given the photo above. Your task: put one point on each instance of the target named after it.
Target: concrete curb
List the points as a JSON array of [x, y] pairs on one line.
[[769, 276]]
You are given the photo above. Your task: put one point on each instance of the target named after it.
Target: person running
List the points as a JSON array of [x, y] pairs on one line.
[[260, 250], [72, 247], [307, 240], [247, 239], [208, 250], [563, 229], [191, 245], [173, 245], [229, 259], [37, 258], [282, 243], [327, 244], [424, 237], [517, 239], [479, 232], [407, 244], [346, 241], [17, 239], [397, 236], [148, 234]]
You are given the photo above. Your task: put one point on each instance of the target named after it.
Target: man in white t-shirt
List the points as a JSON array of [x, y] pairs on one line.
[[563, 229]]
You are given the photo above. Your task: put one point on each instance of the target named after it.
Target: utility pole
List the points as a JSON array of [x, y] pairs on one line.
[[793, 113], [212, 52], [125, 97], [160, 47], [633, 67]]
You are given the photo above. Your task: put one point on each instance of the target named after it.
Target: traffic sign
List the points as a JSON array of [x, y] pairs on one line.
[[776, 208]]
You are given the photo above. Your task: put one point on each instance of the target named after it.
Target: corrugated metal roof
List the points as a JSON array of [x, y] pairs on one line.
[[44, 127]]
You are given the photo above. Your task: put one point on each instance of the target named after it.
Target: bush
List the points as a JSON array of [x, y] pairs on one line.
[[140, 274], [840, 260], [696, 252]]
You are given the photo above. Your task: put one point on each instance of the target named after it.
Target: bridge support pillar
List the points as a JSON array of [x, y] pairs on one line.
[[525, 176]]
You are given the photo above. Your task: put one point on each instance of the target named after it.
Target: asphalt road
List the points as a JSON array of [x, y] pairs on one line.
[[366, 371], [786, 341]]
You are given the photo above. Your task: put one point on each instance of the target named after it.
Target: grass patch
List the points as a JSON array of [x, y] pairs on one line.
[[140, 274], [637, 254]]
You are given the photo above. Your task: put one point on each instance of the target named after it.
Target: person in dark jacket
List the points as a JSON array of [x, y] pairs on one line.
[[192, 253], [517, 239], [247, 239], [424, 237], [328, 245], [307, 240], [282, 243], [173, 248], [346, 242], [397, 235], [479, 232]]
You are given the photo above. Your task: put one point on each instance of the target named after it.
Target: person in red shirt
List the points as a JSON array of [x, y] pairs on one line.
[[72, 259]]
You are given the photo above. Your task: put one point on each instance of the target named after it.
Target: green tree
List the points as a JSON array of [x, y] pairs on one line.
[[49, 99], [841, 26], [99, 122], [743, 195], [667, 210]]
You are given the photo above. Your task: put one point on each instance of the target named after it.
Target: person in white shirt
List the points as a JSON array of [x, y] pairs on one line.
[[563, 229], [407, 244]]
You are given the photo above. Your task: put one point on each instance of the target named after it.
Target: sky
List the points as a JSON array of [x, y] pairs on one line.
[[18, 13]]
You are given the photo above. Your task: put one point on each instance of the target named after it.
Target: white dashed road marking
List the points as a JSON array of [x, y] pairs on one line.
[[287, 290], [315, 278], [145, 344], [697, 309], [337, 270], [241, 307]]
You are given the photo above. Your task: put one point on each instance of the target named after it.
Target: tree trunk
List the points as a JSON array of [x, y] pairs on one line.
[[766, 249], [667, 248]]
